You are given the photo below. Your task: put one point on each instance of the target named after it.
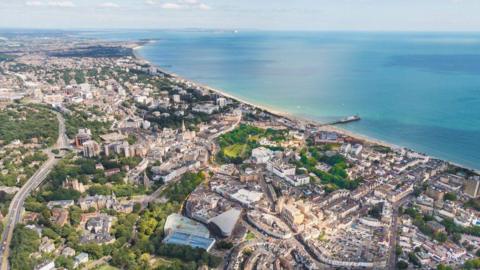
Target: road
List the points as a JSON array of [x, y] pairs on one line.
[[392, 256], [152, 197], [96, 263], [16, 206]]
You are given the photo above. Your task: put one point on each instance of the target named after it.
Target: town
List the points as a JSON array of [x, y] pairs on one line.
[[153, 171]]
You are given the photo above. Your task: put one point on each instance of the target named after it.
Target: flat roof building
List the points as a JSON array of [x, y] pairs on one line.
[[181, 230], [179, 223], [472, 187], [195, 241]]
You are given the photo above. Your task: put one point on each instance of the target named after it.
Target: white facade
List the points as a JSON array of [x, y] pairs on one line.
[[247, 197], [298, 180], [261, 155], [46, 266], [176, 98], [221, 102]]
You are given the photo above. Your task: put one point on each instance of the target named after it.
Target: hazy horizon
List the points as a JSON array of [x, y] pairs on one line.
[[193, 29], [302, 15]]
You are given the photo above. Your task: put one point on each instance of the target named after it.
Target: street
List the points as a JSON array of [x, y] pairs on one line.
[[392, 257], [16, 206]]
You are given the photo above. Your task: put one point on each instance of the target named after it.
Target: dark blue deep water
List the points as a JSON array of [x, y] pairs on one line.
[[419, 90]]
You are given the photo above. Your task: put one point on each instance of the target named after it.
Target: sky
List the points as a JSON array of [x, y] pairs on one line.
[[308, 15]]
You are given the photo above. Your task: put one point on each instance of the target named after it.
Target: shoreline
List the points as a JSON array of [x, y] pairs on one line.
[[215, 90], [289, 116]]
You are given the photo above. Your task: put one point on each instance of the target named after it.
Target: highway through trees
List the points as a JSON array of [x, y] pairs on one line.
[[16, 206]]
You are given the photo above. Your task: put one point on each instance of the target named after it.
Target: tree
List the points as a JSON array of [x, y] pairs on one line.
[[124, 259], [144, 260], [132, 139], [71, 235], [46, 214], [38, 122], [147, 226], [75, 214], [99, 190], [224, 245], [51, 234], [60, 194], [376, 211], [456, 237], [450, 196], [65, 262], [180, 190], [444, 267], [402, 265], [440, 237], [414, 259], [95, 251], [398, 250], [124, 226], [188, 254], [473, 203], [137, 207], [24, 243], [472, 264]]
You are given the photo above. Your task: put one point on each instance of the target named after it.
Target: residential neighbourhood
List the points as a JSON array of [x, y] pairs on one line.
[[162, 173]]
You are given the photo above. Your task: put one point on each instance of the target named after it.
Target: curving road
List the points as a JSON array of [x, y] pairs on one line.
[[16, 206]]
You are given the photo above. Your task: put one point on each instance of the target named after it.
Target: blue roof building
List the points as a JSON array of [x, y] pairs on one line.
[[181, 230], [195, 241]]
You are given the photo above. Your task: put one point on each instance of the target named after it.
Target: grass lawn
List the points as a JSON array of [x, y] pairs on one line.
[[236, 150], [106, 267], [164, 262], [250, 236]]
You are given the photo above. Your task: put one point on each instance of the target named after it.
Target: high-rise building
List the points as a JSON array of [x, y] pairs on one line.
[[73, 184], [91, 149], [146, 180], [83, 135], [176, 98], [221, 102], [293, 215]]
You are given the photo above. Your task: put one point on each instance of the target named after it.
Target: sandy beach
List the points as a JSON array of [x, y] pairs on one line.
[[266, 107], [284, 114], [219, 91]]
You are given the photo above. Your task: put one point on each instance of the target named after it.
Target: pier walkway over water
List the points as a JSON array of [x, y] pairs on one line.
[[345, 120]]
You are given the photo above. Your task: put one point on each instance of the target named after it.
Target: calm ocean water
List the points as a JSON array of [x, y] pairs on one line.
[[420, 90]]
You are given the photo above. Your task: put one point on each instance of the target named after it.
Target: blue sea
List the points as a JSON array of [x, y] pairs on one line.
[[419, 90]]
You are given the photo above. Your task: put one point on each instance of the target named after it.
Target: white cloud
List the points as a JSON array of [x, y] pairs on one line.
[[109, 5], [203, 6], [171, 6], [190, 2], [60, 4], [150, 2], [34, 3], [50, 4], [181, 4]]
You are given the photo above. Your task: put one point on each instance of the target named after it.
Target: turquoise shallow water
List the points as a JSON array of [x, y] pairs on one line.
[[420, 90]]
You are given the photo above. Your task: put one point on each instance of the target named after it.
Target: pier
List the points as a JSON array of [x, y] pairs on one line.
[[345, 120]]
